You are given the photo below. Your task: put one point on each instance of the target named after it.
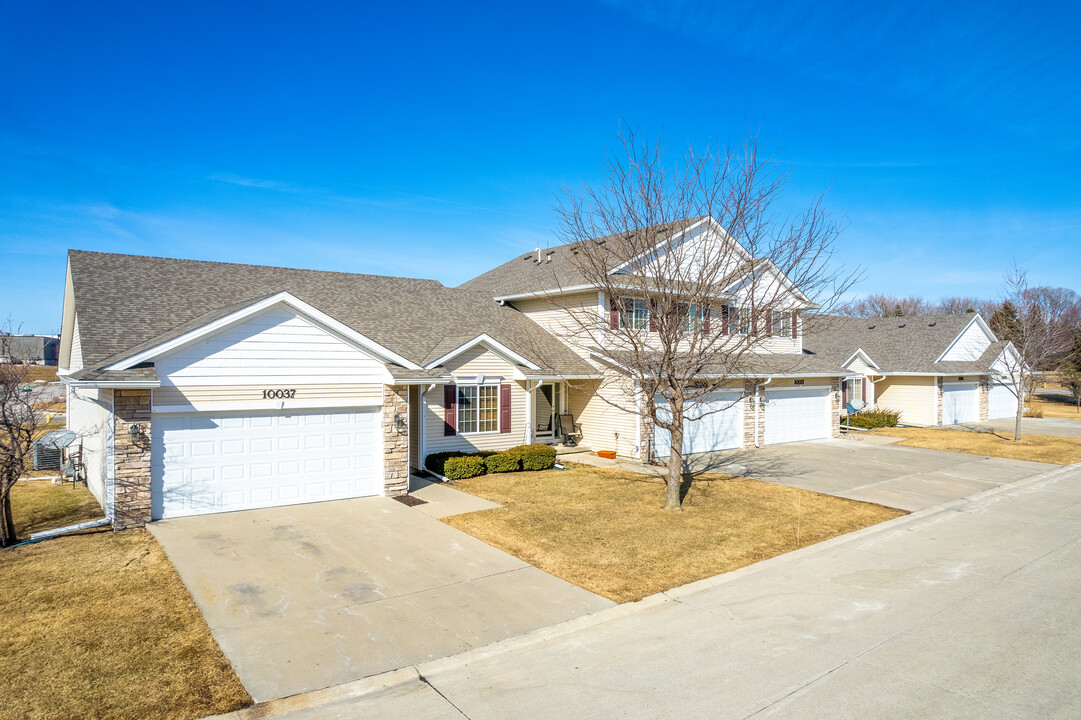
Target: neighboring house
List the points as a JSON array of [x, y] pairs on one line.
[[933, 369], [29, 349], [200, 387]]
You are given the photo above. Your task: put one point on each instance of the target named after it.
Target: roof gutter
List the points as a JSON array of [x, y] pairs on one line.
[[107, 384]]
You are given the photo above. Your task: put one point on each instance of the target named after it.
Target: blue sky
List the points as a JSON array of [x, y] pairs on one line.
[[427, 139]]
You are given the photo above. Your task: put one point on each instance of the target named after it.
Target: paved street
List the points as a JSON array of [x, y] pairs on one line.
[[969, 610]]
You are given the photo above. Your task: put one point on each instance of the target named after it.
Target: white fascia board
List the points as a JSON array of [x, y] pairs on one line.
[[493, 345], [117, 384], [283, 297], [543, 293], [863, 356], [442, 379], [524, 376], [976, 320], [902, 373], [621, 269]]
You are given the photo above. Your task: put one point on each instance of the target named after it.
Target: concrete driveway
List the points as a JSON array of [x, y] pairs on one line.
[[963, 611], [308, 596]]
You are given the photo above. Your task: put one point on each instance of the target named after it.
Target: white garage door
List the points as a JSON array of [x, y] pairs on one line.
[[960, 403], [713, 424], [1001, 401], [794, 414], [215, 462]]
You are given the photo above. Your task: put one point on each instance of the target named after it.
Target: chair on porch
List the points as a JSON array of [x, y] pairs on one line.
[[571, 433]]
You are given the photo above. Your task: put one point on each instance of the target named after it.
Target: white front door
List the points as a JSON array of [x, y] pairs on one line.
[[794, 414], [716, 423], [1001, 401], [960, 403], [215, 462]]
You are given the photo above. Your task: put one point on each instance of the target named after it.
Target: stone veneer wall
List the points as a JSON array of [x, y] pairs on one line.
[[395, 442], [131, 505], [749, 401], [645, 440], [938, 400], [835, 407], [985, 411]]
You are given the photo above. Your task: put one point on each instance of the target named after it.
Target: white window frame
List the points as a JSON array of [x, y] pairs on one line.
[[637, 310], [477, 420], [736, 326], [848, 387]]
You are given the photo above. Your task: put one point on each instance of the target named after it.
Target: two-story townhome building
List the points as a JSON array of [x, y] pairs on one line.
[[201, 387]]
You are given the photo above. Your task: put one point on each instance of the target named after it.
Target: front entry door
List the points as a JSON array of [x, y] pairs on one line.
[[547, 404]]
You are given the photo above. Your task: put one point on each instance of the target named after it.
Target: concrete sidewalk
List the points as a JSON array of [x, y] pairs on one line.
[[968, 610]]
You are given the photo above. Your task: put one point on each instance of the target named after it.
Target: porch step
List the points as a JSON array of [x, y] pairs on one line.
[[565, 450]]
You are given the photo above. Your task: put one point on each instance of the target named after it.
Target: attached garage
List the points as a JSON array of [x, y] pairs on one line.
[[1001, 401], [217, 462], [713, 424], [960, 402], [795, 414]]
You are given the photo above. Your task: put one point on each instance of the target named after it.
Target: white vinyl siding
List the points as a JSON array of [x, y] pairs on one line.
[[75, 359], [212, 462], [211, 397], [89, 416], [276, 346], [796, 414], [970, 345], [960, 403]]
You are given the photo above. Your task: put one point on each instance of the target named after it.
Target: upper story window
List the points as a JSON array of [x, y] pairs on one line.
[[739, 320], [478, 408], [633, 313], [782, 323]]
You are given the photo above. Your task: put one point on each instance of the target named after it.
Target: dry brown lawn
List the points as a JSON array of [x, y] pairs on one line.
[[1038, 448], [1055, 406], [41, 372], [605, 531], [39, 505], [100, 625]]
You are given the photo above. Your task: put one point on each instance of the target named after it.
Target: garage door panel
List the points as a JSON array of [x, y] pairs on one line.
[[208, 463], [794, 415], [714, 424], [1001, 401], [960, 403]]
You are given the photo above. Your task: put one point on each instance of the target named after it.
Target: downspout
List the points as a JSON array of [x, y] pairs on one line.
[[424, 425], [529, 429], [757, 402]]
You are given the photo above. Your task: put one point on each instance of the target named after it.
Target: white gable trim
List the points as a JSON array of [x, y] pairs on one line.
[[300, 306], [978, 320], [862, 356], [621, 269], [483, 339]]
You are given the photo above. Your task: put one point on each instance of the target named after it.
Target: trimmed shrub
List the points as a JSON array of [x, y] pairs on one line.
[[535, 457], [874, 419], [502, 463], [466, 466], [436, 461]]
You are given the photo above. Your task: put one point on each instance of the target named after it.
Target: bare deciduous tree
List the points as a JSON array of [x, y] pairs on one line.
[[667, 336], [18, 429], [882, 305], [1040, 322]]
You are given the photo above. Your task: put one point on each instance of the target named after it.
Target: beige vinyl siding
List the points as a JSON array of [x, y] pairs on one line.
[[564, 315], [465, 367], [858, 366], [911, 395], [324, 395], [89, 416], [604, 426]]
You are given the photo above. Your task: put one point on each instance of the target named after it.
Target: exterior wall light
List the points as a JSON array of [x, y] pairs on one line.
[[135, 431]]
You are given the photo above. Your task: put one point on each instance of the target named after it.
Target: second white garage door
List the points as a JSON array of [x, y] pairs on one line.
[[207, 462], [714, 424], [1001, 401], [794, 414], [960, 403]]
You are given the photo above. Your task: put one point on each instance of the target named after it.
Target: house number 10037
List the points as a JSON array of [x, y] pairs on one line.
[[279, 394]]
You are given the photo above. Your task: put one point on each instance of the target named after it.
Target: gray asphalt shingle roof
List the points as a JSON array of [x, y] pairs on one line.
[[128, 303], [895, 344]]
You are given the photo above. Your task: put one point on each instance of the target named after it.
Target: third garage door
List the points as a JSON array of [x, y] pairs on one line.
[[794, 414]]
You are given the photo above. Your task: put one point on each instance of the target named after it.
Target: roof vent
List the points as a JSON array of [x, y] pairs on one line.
[[932, 323], [548, 255], [870, 327], [900, 325], [538, 255], [601, 241]]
